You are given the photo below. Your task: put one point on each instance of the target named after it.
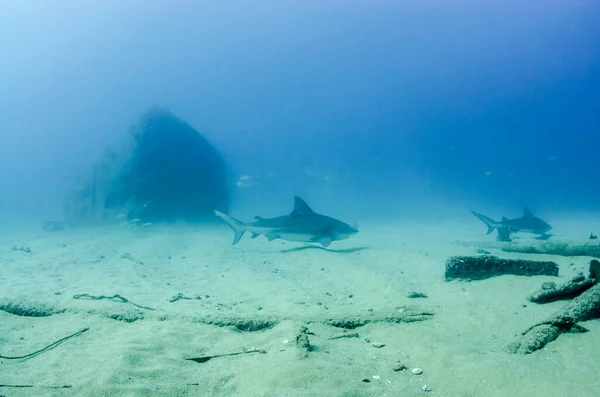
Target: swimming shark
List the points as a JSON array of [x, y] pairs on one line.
[[301, 225], [527, 223]]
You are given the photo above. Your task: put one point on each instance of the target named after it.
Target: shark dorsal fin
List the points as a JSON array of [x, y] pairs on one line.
[[300, 207], [527, 213]]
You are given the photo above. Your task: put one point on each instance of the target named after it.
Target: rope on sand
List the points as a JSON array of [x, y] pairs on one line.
[[49, 347], [28, 386], [114, 298]]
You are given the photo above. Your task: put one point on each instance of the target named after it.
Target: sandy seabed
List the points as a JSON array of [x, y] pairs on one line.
[[271, 290]]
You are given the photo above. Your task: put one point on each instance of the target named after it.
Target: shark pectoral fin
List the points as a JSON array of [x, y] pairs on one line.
[[324, 240], [271, 237]]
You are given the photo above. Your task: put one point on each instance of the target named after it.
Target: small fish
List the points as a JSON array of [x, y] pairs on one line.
[[301, 225]]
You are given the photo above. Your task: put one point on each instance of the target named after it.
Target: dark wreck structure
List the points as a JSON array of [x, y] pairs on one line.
[[162, 171]]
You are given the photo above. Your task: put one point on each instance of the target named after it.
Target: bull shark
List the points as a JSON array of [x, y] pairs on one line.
[[527, 223], [301, 225]]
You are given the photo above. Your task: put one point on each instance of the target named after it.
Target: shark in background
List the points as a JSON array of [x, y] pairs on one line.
[[527, 223], [301, 225]]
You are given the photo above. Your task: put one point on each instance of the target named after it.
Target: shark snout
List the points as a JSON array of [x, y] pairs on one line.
[[347, 232]]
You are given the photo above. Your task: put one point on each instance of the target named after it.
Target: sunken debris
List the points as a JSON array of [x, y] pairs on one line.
[[482, 267], [595, 270], [591, 248], [407, 315], [550, 292], [583, 308], [162, 170]]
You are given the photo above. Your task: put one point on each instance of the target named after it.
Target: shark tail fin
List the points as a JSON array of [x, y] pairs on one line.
[[489, 222], [238, 227]]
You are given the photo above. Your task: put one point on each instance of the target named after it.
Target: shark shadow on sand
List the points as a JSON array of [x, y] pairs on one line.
[[336, 251]]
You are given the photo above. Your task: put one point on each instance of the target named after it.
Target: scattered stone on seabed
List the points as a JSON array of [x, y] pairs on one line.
[[482, 251], [426, 388], [399, 367], [180, 296], [417, 371], [303, 343], [22, 248], [414, 294], [486, 266], [378, 345]]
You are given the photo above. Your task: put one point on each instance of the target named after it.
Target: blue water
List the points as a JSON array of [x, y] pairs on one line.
[[374, 106]]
